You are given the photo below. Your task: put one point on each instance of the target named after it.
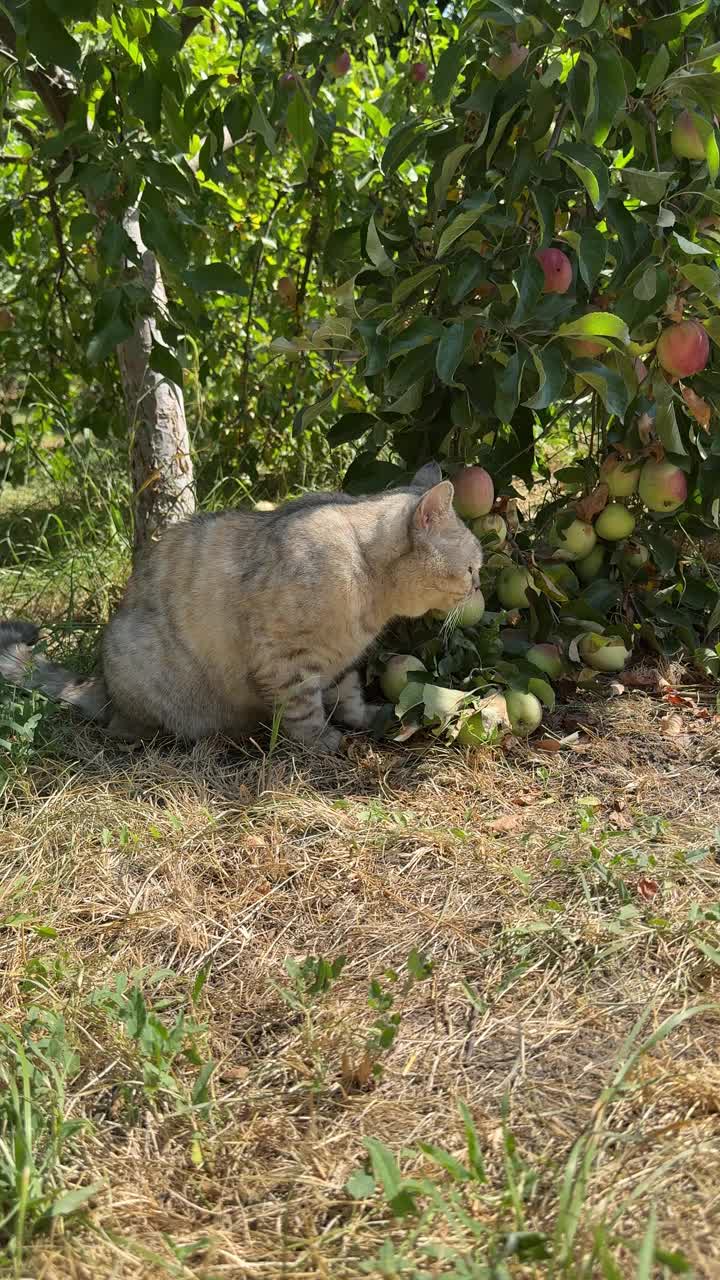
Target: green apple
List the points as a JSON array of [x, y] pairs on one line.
[[472, 610], [615, 522], [547, 658], [635, 556], [491, 530], [622, 478], [573, 542], [396, 674], [512, 587], [589, 567], [491, 715], [499, 560], [603, 653], [563, 577], [525, 712], [662, 487]]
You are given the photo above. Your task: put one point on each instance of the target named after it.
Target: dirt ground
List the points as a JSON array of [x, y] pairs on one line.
[[532, 933]]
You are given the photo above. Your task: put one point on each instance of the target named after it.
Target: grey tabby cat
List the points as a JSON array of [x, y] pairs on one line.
[[232, 617]]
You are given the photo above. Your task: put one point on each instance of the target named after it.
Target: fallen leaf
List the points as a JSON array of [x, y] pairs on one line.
[[547, 744], [591, 506], [357, 1076], [699, 408], [647, 888], [506, 824], [616, 689], [672, 726]]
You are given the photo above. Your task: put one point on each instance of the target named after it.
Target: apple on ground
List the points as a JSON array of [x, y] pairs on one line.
[[547, 658], [525, 712], [262, 505], [491, 529], [397, 672], [615, 522], [474, 492], [684, 348], [603, 653], [512, 588], [471, 610], [491, 716], [621, 477], [574, 541], [557, 270], [589, 567], [663, 486]]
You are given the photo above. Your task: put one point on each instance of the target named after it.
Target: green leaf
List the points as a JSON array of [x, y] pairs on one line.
[[145, 100], [673, 24], [351, 426], [589, 168], [259, 123], [71, 1201], [658, 69], [376, 251], [507, 387], [418, 334], [611, 90], [529, 286], [446, 1161], [588, 12], [542, 690], [689, 247], [401, 144], [112, 328], [591, 255], [646, 1256], [48, 38], [706, 279], [545, 203], [164, 38], [115, 244], [608, 384], [448, 69], [360, 1185], [472, 1141], [449, 165], [449, 352], [216, 277], [307, 415], [646, 287], [666, 426], [163, 361], [647, 185], [384, 1166], [300, 127], [552, 373], [456, 228], [596, 324], [403, 291]]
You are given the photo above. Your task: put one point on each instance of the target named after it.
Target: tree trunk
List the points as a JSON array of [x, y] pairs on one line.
[[160, 462]]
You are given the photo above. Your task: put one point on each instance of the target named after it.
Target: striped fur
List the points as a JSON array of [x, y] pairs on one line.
[[232, 618]]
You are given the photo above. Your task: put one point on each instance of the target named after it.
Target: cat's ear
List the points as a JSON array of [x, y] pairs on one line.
[[427, 476], [435, 507]]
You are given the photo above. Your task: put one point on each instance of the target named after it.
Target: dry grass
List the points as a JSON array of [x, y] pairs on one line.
[[558, 896]]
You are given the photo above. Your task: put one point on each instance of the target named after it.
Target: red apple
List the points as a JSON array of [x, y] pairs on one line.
[[663, 486], [584, 348], [288, 81], [419, 72], [474, 492], [689, 135], [503, 65], [340, 64], [683, 348], [287, 291], [557, 269]]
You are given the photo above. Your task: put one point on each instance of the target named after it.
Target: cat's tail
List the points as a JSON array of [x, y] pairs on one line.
[[20, 666]]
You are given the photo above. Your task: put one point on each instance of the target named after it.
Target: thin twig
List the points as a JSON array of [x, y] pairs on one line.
[[557, 131], [251, 299], [429, 39]]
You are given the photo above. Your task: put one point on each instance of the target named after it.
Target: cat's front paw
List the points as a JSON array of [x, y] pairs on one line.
[[329, 742], [361, 717]]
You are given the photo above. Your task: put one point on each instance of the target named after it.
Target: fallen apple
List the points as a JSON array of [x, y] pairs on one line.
[[621, 477], [663, 486], [474, 492], [615, 522], [512, 587], [603, 653], [547, 658], [397, 671], [262, 505], [574, 541], [491, 716], [589, 567], [525, 712]]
